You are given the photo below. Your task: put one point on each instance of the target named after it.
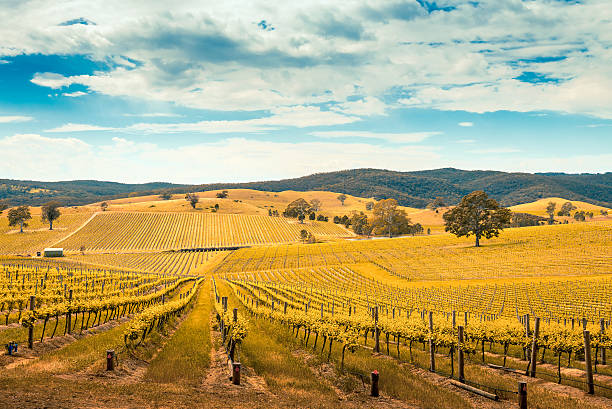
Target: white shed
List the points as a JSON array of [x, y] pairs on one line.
[[53, 252]]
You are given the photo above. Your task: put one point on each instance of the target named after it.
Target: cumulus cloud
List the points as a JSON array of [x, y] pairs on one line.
[[472, 56], [466, 124]]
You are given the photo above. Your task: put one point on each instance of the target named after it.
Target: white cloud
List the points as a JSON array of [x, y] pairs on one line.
[[466, 141], [128, 161], [466, 124], [495, 150], [14, 118], [409, 137], [70, 127], [155, 115], [74, 94]]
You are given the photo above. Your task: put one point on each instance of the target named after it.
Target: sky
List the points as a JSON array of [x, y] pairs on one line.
[[235, 91]]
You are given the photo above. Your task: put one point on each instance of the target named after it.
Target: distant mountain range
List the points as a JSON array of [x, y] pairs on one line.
[[415, 189]]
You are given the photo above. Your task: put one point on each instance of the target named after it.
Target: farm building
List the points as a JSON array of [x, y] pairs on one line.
[[53, 252]]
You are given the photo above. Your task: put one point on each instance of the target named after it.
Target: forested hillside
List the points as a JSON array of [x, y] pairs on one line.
[[415, 189]]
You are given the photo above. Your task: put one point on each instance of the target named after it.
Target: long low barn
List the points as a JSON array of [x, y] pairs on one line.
[[53, 252]]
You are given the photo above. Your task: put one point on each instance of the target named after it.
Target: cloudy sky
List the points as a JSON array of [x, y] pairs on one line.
[[134, 91]]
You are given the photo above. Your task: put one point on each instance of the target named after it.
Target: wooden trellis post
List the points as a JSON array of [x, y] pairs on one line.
[[432, 358]]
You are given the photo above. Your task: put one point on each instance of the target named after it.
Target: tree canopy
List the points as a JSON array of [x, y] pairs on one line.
[[298, 209], [51, 212], [193, 199], [342, 198], [389, 220], [19, 216], [477, 215]]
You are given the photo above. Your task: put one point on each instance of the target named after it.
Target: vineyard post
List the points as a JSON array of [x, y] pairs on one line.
[[461, 362], [534, 346], [285, 308], [432, 358], [31, 327], [69, 315], [527, 352], [465, 318], [454, 319], [587, 361], [374, 389], [376, 334], [110, 360], [236, 373], [522, 395], [602, 324]]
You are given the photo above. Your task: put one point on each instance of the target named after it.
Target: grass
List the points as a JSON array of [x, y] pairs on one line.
[[186, 356]]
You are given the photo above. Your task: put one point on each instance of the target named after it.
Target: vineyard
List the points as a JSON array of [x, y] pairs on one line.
[[37, 235], [423, 313], [528, 252], [118, 231], [176, 263]]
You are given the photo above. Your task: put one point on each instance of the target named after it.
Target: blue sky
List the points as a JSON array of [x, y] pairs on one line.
[[229, 91]]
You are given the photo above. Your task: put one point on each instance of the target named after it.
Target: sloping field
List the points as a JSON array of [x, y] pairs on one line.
[[37, 235], [573, 249], [538, 207], [179, 263], [115, 231]]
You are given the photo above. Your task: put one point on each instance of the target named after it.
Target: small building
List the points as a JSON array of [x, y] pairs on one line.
[[53, 252]]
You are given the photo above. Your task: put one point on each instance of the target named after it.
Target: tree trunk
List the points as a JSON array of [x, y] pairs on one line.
[[477, 241], [50, 224], [21, 224]]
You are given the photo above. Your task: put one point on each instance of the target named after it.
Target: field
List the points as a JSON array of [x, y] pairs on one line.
[[158, 286]]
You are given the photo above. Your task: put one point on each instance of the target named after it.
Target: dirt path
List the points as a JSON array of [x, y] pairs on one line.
[[217, 380], [75, 231]]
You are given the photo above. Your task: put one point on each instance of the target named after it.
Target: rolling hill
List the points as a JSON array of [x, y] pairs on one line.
[[414, 189]]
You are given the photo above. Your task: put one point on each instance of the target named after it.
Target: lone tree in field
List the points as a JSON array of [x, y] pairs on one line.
[[103, 206], [222, 194], [437, 202], [193, 199], [477, 215], [388, 219], [342, 198], [304, 235], [316, 205], [165, 196], [19, 216], [51, 212], [550, 210], [299, 208]]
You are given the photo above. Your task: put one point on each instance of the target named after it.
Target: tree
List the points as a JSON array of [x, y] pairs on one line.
[[322, 218], [19, 216], [304, 234], [103, 206], [566, 209], [388, 219], [298, 208], [437, 202], [580, 216], [550, 209], [603, 212], [589, 214], [3, 206], [428, 231], [51, 212], [316, 205], [222, 195], [360, 224], [312, 216], [477, 215], [342, 198], [165, 196], [192, 198], [369, 205]]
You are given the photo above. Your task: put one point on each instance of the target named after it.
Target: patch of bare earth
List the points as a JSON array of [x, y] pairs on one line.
[[217, 380]]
